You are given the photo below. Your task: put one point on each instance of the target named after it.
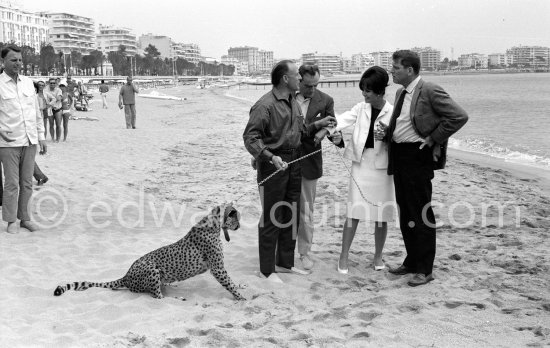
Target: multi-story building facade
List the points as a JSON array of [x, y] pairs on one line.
[[429, 58], [362, 61], [500, 59], [22, 27], [536, 57], [69, 32], [246, 54], [109, 38], [382, 59], [190, 52], [162, 43], [473, 61], [265, 61], [327, 63], [241, 68]]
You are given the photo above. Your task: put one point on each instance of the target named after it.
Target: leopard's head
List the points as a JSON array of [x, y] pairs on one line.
[[230, 220]]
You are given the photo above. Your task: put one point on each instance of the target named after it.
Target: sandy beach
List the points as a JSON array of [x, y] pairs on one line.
[[103, 208]]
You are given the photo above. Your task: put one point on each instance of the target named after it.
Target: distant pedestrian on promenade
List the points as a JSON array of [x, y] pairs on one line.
[[103, 89], [20, 114], [127, 97], [423, 119]]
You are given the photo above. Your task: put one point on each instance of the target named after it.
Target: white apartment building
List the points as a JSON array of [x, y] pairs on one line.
[[327, 63], [383, 59], [69, 32], [429, 58], [110, 38], [500, 59], [530, 56], [265, 61], [190, 52], [362, 61], [161, 42], [22, 27], [246, 54], [241, 68], [473, 61]]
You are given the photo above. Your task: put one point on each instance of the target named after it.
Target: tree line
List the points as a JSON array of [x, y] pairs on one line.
[[48, 62]]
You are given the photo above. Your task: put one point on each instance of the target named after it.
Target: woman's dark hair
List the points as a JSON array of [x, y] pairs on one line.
[[102, 81], [408, 59], [374, 79], [279, 70], [36, 83]]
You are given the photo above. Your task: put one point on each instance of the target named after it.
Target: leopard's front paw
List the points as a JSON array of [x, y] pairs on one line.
[[239, 297]]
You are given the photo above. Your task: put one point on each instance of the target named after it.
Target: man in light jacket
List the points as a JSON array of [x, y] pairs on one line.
[[21, 130]]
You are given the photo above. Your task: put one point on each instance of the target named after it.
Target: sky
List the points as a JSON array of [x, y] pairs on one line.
[[290, 28]]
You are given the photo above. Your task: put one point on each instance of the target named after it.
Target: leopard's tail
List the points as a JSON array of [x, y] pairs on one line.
[[80, 286]]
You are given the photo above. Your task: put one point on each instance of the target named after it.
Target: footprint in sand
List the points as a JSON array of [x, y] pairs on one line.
[[179, 341], [360, 335], [368, 316], [196, 332], [411, 306]]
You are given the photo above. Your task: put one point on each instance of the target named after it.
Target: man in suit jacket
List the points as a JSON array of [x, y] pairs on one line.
[[316, 107], [423, 119]]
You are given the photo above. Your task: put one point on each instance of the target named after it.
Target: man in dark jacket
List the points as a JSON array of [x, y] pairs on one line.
[[315, 106], [424, 117]]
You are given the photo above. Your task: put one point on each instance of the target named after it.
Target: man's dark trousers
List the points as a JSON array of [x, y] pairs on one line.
[[276, 244], [413, 172]]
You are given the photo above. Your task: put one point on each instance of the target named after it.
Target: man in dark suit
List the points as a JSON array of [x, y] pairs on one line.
[[316, 107], [423, 119]]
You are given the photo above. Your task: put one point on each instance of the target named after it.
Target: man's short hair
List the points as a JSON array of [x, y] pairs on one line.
[[408, 59], [310, 69], [9, 48], [279, 70], [374, 79]]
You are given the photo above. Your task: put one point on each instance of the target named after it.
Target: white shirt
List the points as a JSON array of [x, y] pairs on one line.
[[304, 104], [404, 131], [19, 111]]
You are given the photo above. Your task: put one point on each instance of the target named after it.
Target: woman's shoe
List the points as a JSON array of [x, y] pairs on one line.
[[340, 270], [379, 268]]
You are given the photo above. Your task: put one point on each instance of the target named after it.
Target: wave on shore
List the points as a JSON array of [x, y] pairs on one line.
[[493, 150]]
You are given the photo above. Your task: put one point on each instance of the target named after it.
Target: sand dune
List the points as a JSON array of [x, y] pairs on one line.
[[492, 276]]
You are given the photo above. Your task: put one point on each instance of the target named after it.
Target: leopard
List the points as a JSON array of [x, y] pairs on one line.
[[198, 251]]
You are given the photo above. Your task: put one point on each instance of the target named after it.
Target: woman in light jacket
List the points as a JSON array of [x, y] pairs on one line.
[[374, 199]]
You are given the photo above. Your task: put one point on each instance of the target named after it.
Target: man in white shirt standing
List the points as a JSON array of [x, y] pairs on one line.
[[21, 129]]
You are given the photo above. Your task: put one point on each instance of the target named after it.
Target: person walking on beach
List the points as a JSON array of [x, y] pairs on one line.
[[315, 106], [20, 114], [127, 97], [423, 119], [66, 109], [273, 136], [71, 86], [103, 89], [371, 194], [53, 97]]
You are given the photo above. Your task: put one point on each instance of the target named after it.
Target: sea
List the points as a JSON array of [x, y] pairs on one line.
[[509, 113]]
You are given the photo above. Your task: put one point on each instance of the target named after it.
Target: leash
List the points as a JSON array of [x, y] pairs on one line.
[[311, 154]]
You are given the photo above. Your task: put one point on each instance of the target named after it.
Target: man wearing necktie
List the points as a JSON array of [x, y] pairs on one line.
[[423, 119]]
